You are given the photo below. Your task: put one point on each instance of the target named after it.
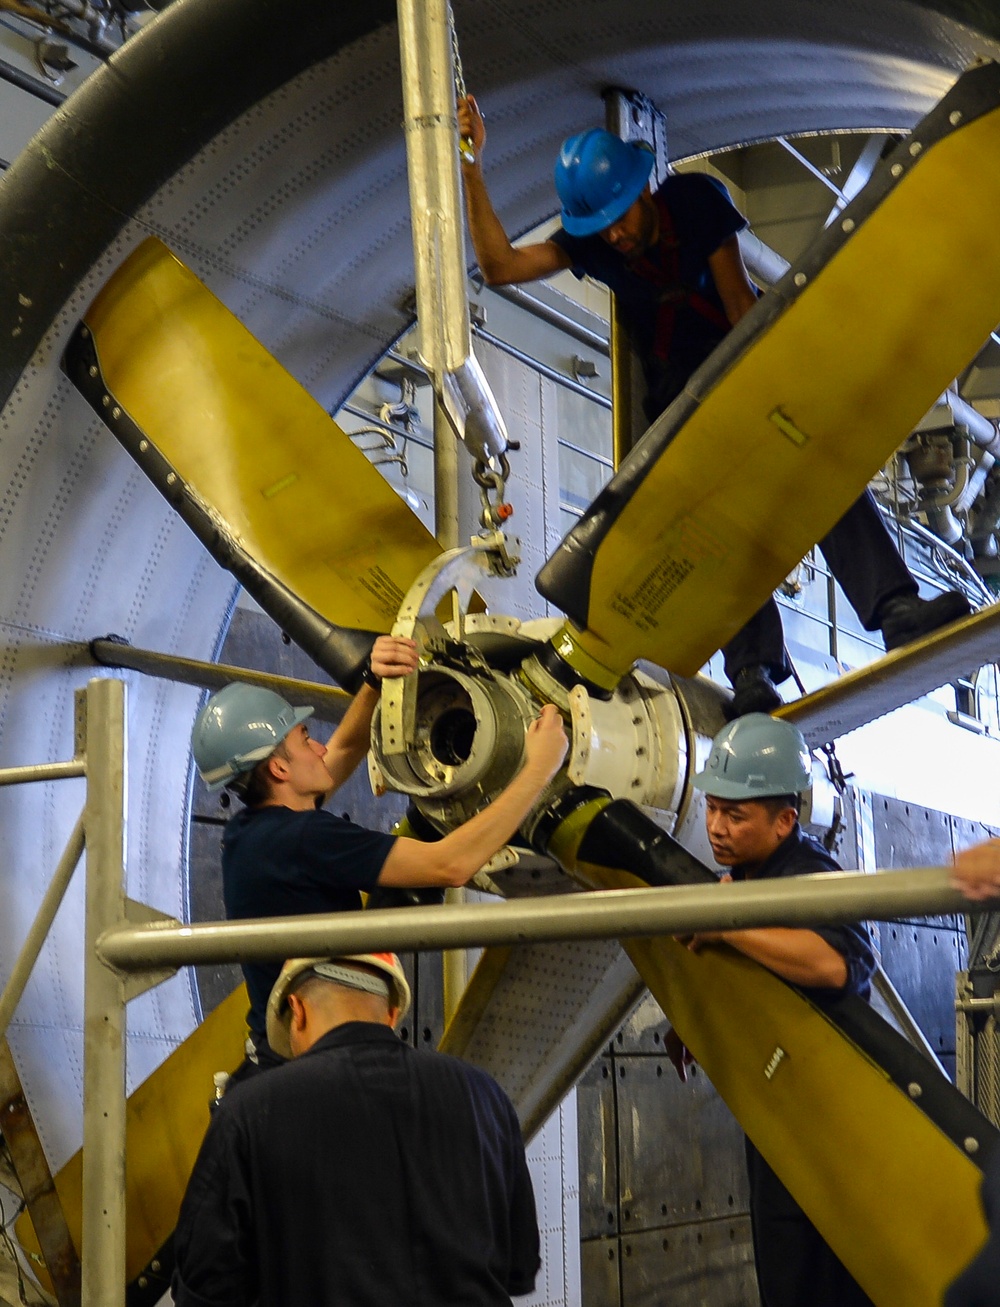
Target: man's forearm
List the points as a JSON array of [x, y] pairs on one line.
[[481, 836], [494, 252], [799, 956], [350, 741], [457, 857]]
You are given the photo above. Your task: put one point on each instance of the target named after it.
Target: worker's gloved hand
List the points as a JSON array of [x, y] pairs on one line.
[[679, 1053]]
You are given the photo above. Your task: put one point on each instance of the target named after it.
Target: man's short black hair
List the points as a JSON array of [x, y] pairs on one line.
[[777, 803]]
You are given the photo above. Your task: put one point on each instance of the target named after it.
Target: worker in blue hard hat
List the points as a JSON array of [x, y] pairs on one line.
[[753, 780], [283, 854], [671, 256]]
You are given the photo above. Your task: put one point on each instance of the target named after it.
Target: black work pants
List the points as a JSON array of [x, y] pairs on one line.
[[795, 1266], [865, 562]]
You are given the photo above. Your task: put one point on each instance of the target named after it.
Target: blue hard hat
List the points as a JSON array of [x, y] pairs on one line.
[[756, 757], [598, 177], [239, 727]]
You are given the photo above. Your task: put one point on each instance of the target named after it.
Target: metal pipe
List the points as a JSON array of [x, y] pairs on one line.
[[605, 914], [40, 927], [35, 87], [103, 1252], [454, 962], [809, 166], [471, 408], [543, 368], [431, 126], [111, 652], [387, 427], [43, 771], [546, 313], [765, 266]]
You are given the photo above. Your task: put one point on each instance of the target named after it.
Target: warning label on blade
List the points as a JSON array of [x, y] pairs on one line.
[[373, 585], [642, 604], [643, 594], [385, 593]]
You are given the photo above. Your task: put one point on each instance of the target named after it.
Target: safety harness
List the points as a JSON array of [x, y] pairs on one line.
[[663, 271]]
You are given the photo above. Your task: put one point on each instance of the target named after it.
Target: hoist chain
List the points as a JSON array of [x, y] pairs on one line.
[[465, 146], [492, 487]]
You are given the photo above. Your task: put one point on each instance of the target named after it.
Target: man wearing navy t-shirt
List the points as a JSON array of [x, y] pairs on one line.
[[672, 259], [284, 855]]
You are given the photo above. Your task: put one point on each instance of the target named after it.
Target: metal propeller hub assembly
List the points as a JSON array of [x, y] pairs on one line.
[[465, 744]]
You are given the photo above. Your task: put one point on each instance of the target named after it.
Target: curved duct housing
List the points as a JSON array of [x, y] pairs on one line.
[[264, 147]]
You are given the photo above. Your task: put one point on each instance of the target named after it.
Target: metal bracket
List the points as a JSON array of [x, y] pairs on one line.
[[579, 710], [138, 982], [457, 572]]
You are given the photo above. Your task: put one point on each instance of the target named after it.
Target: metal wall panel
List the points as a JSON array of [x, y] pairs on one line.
[[921, 961], [710, 1262], [597, 1146], [600, 1262], [910, 835], [644, 1031], [680, 1150]]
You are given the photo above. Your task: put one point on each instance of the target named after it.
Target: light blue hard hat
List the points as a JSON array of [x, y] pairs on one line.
[[756, 757], [598, 177], [239, 727]]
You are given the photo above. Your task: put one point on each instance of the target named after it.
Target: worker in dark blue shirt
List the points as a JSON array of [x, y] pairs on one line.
[[756, 772], [364, 1172], [977, 874], [672, 258], [283, 855]]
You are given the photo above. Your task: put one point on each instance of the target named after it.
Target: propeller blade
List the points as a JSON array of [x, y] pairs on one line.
[[782, 428], [896, 1132], [269, 483], [900, 677], [166, 1120]]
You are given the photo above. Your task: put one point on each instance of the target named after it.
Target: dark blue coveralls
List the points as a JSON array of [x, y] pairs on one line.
[[363, 1173], [280, 863], [795, 1265]]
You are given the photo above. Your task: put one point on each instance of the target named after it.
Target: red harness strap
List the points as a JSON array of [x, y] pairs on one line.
[[663, 271]]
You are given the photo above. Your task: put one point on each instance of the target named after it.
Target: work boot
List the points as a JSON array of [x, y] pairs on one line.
[[906, 617], [753, 691]]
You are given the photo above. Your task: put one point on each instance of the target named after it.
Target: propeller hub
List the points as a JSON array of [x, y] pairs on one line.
[[466, 745]]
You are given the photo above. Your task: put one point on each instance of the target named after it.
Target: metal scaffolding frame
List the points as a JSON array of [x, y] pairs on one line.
[[130, 948]]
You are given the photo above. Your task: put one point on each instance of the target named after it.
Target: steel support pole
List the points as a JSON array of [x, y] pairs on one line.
[[607, 914], [435, 190], [429, 119], [43, 771], [328, 701], [104, 1003], [40, 927], [454, 962]]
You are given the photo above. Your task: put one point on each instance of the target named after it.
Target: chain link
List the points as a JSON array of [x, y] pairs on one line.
[[492, 487], [465, 146]]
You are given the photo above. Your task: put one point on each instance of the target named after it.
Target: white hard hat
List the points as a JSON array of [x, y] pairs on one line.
[[391, 984]]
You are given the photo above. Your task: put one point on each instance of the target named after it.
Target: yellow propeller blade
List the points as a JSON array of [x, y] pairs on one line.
[[166, 1120], [266, 478]]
